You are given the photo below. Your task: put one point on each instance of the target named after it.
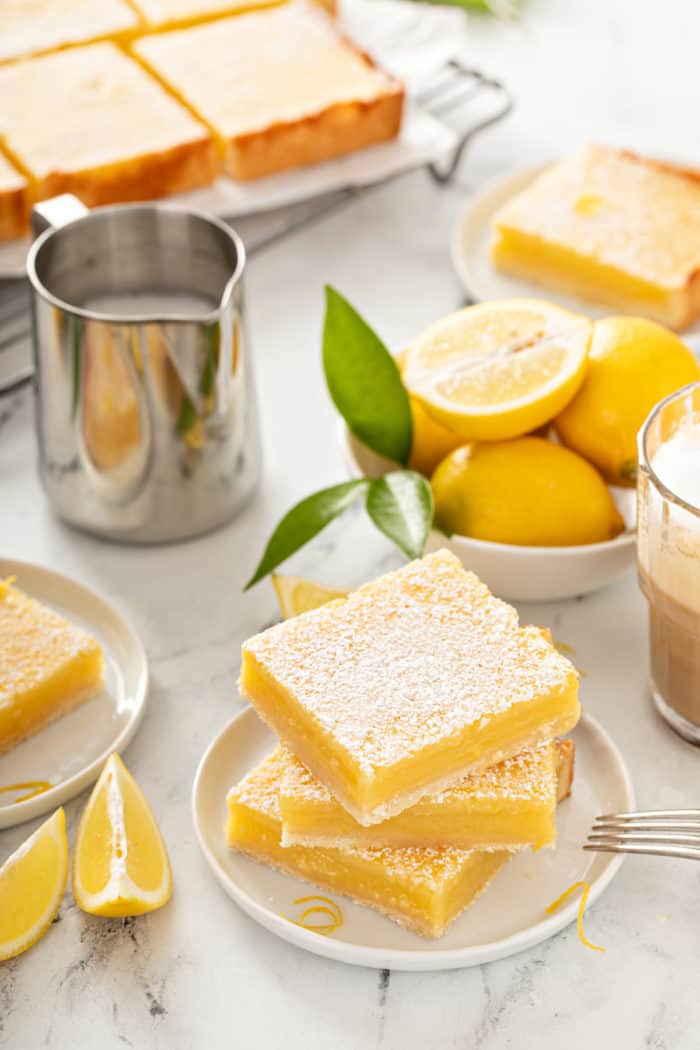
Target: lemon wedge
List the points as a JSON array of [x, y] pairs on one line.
[[32, 884], [498, 370], [120, 862], [296, 595]]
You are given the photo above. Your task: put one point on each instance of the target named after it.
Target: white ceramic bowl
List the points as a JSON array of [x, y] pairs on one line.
[[526, 574]]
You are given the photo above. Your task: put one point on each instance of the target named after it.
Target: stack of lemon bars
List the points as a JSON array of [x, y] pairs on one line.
[[418, 726]]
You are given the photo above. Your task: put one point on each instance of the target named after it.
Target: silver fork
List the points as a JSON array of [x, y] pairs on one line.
[[663, 833]]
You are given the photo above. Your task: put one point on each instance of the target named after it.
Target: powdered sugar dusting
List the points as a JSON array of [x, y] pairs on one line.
[[35, 642], [409, 661]]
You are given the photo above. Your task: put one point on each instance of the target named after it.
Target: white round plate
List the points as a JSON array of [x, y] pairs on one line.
[[70, 752], [471, 237], [508, 918], [519, 573]]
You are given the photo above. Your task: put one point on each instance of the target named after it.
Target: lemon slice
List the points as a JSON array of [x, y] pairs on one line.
[[120, 862], [296, 595], [499, 370], [32, 884]]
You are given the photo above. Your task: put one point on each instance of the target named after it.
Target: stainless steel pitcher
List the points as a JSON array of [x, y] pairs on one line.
[[146, 413]]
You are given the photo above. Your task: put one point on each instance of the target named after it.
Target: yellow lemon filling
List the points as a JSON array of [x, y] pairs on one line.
[[48, 666], [423, 890]]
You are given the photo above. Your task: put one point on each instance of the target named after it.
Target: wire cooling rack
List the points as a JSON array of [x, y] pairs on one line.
[[453, 95]]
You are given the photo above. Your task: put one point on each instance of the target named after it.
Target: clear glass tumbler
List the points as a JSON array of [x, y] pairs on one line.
[[668, 491]]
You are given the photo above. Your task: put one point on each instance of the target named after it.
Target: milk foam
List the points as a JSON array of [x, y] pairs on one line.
[[669, 536], [677, 463]]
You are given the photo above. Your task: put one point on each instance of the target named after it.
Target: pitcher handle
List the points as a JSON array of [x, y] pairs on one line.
[[56, 212], [48, 214]]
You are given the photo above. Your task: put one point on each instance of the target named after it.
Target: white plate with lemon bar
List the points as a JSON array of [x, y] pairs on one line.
[[510, 916], [470, 250], [60, 760], [470, 247]]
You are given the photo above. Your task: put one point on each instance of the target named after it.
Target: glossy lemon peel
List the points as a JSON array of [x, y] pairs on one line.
[[32, 787], [32, 884], [318, 905], [586, 889]]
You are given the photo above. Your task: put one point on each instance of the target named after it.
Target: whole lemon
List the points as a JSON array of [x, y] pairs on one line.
[[431, 440], [526, 491], [632, 364]]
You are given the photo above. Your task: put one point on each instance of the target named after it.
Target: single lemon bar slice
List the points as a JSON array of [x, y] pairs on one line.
[[154, 145], [28, 28], [610, 227], [408, 684], [48, 666], [508, 806], [422, 889], [280, 87]]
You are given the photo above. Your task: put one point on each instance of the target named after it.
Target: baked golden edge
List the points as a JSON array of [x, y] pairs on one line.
[[15, 209], [150, 175], [283, 145], [319, 137]]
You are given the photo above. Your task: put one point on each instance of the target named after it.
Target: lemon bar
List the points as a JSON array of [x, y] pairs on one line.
[[48, 666], [100, 127], [280, 87], [28, 27], [171, 14], [611, 227], [14, 202], [421, 889], [508, 806], [406, 685]]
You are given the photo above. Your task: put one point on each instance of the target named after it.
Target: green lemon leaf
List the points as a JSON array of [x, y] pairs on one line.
[[303, 522], [401, 506], [187, 417], [364, 381]]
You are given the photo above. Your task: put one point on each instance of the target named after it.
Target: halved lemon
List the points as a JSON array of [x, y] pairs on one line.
[[120, 861], [297, 595], [499, 370], [32, 884]]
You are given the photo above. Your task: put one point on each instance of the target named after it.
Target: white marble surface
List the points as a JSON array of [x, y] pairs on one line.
[[200, 974]]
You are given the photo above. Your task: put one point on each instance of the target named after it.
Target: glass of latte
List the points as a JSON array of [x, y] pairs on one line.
[[668, 491]]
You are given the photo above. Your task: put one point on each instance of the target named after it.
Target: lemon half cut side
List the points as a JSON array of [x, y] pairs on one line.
[[499, 370]]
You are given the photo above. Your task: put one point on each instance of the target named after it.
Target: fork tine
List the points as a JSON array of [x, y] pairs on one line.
[[680, 852], [651, 814], [646, 825], [659, 837]]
